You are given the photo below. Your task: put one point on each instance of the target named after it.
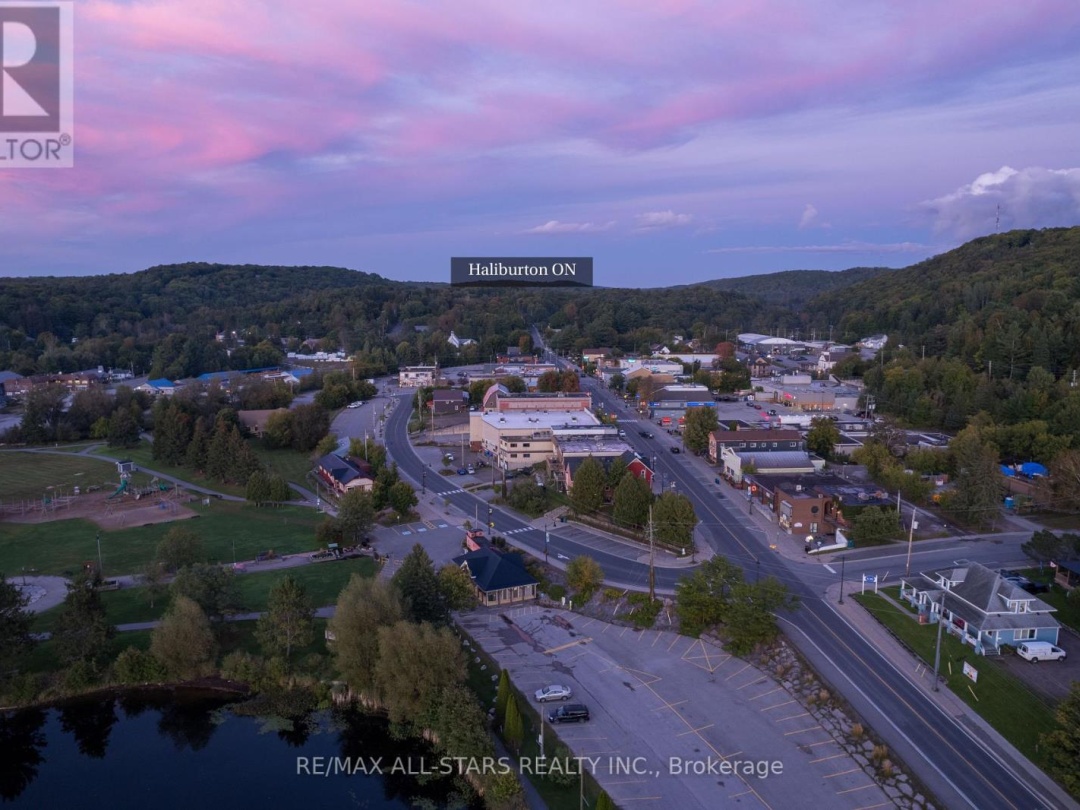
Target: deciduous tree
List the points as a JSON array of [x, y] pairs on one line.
[[587, 492], [700, 422], [633, 496], [356, 514], [288, 622], [184, 642], [457, 587], [416, 662], [363, 606], [584, 575]]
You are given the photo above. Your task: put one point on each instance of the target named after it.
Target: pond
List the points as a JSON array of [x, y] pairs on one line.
[[181, 750]]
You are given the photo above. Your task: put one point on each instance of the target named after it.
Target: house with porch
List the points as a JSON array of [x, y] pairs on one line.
[[499, 578], [980, 607]]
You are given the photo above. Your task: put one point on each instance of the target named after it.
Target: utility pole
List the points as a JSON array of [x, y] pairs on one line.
[[910, 538], [652, 551], [842, 558], [937, 649], [547, 541], [99, 565]]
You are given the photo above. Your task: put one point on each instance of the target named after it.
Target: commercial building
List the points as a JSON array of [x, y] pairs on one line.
[[417, 376]]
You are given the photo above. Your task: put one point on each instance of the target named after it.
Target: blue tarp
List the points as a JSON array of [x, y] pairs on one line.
[[1032, 468], [1009, 472]]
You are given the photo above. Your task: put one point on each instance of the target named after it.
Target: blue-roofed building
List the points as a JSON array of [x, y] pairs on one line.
[[158, 386], [499, 579]]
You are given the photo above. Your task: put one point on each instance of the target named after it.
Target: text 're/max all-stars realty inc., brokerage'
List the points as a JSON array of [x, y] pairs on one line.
[[519, 271]]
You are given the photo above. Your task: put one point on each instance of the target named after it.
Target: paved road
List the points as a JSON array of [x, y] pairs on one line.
[[952, 761]]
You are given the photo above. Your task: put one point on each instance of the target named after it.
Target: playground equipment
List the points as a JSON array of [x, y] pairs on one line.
[[120, 490]]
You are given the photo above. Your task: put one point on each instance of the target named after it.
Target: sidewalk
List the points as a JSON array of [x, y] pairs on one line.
[[922, 676]]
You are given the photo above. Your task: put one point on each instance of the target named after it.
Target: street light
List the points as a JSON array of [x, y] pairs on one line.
[[99, 566], [842, 558]]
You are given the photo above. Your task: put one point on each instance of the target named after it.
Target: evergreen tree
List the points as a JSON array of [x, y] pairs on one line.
[[123, 429], [83, 631], [15, 621], [587, 492], [197, 451], [418, 585], [502, 695], [674, 520], [514, 727], [258, 488], [218, 458]]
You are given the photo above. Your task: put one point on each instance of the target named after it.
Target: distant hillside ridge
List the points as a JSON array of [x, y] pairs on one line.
[[1012, 296], [794, 288]]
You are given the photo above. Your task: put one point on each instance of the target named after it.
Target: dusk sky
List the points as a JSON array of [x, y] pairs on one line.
[[673, 141]]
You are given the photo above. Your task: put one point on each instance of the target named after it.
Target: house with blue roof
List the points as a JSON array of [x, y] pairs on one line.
[[158, 386], [499, 579]]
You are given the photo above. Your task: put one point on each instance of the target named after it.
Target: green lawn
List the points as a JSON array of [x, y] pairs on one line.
[[323, 582], [289, 464], [144, 458], [1068, 611], [61, 546], [1017, 713], [30, 476]]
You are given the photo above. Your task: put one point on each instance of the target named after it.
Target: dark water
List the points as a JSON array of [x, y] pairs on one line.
[[158, 750]]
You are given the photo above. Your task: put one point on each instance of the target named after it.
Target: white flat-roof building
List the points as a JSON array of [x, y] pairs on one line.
[[518, 440], [417, 376]]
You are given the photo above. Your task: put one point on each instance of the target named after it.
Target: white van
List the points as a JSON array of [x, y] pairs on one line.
[[1035, 651]]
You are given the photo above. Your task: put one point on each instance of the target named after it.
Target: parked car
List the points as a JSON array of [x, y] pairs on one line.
[[470, 469], [570, 713], [647, 434], [675, 450], [462, 471], [1036, 587], [553, 692], [352, 405], [1035, 651], [772, 412]]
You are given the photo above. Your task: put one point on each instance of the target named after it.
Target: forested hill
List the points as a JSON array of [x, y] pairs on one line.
[[1012, 298], [792, 288], [58, 305]]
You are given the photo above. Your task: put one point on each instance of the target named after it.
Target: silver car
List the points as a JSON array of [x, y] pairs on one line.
[[553, 692]]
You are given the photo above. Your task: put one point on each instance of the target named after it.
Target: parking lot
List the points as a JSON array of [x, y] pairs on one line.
[[673, 717]]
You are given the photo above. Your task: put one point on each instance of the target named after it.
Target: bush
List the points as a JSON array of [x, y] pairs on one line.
[[611, 595], [556, 592], [137, 666], [645, 610]]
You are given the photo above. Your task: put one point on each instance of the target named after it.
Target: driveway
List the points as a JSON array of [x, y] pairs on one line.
[[672, 716]]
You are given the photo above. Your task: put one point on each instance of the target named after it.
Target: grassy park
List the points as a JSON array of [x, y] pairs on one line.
[[62, 546], [30, 476], [143, 456], [1017, 713]]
